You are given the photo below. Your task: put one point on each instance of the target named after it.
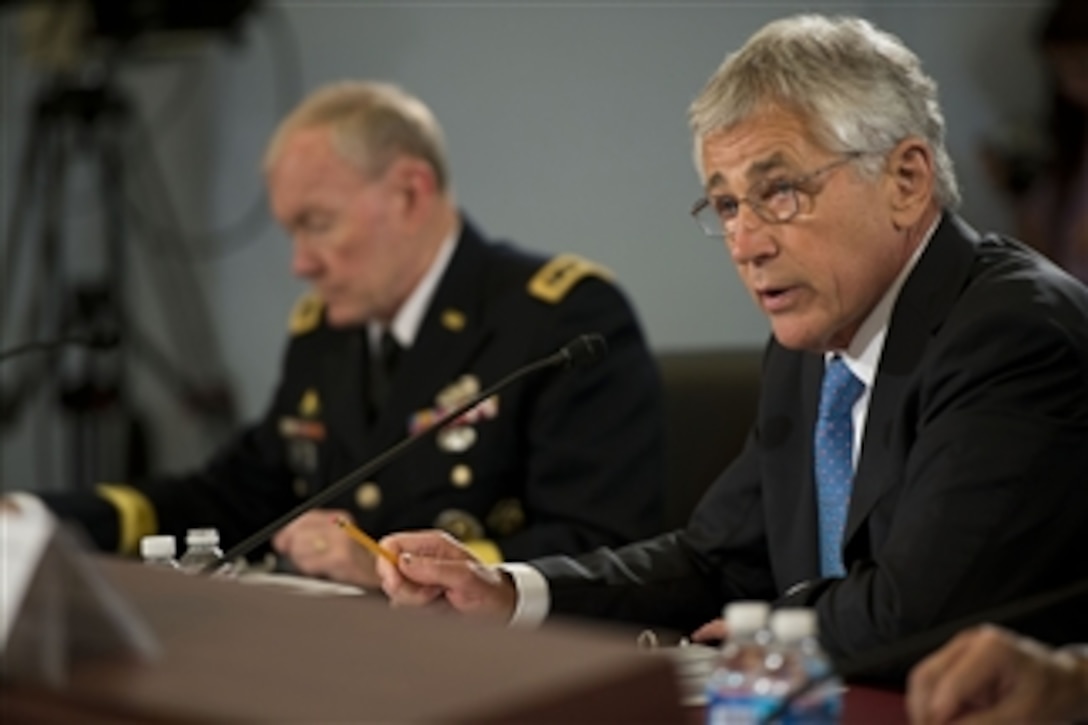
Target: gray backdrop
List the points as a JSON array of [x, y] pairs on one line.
[[567, 132]]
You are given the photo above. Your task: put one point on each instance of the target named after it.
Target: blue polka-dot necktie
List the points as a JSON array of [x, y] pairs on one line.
[[834, 443]]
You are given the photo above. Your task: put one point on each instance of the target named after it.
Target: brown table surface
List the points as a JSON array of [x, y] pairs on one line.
[[240, 652], [235, 652], [870, 705]]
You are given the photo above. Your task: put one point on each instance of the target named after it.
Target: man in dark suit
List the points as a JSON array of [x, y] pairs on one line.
[[948, 476], [412, 313]]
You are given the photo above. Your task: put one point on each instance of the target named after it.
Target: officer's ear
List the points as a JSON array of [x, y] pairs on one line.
[[414, 185]]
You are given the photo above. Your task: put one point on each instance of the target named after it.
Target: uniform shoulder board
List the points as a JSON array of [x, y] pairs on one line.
[[559, 275], [306, 314]]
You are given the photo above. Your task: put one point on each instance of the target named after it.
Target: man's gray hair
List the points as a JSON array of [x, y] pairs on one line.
[[859, 88], [371, 124]]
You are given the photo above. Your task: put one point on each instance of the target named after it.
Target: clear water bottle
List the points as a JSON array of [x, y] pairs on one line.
[[159, 551], [201, 550], [735, 692], [796, 659]]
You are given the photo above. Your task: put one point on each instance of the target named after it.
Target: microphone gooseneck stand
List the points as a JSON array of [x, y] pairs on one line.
[[582, 350]]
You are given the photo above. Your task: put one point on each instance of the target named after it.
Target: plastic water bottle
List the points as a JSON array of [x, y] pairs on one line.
[[159, 551], [735, 693], [796, 659], [201, 549]]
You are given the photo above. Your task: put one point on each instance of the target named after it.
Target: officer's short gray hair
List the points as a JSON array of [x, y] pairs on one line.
[[371, 124]]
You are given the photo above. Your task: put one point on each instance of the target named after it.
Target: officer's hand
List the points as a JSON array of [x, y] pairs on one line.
[[988, 674], [433, 567], [316, 546]]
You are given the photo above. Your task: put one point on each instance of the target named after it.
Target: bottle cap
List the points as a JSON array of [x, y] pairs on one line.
[[158, 547], [790, 624], [202, 537], [746, 616]]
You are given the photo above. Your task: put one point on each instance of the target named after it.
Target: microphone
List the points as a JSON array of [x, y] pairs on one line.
[[584, 350], [917, 645], [101, 340]]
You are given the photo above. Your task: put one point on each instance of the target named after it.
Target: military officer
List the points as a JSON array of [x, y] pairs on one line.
[[412, 311]]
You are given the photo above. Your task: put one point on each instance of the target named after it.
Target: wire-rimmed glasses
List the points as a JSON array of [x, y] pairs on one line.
[[775, 201]]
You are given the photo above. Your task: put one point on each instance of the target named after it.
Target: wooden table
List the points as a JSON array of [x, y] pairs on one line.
[[236, 652]]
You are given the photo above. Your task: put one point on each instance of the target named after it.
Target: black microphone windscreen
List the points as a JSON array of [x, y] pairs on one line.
[[585, 350]]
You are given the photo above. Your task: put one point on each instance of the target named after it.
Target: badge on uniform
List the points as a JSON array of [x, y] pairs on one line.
[[303, 433], [459, 435], [456, 438], [301, 437], [312, 430]]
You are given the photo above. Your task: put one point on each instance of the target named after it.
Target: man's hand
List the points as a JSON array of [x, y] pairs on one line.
[[990, 675], [711, 632], [433, 567], [318, 547]]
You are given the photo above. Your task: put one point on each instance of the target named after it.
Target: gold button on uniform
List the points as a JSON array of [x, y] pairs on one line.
[[301, 487], [461, 476], [462, 525], [368, 496], [506, 517]]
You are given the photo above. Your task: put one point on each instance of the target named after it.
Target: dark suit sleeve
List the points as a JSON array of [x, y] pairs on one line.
[[595, 444], [990, 504], [679, 580], [981, 494]]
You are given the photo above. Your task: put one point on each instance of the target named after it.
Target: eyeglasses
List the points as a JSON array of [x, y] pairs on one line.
[[775, 201]]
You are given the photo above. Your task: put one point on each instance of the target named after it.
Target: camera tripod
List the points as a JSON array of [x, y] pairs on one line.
[[48, 294]]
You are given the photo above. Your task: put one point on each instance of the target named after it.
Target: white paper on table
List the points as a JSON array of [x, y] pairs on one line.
[[24, 533], [54, 605], [301, 584]]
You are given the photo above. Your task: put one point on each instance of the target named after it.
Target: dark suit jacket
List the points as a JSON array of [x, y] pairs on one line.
[[566, 462], [971, 487]]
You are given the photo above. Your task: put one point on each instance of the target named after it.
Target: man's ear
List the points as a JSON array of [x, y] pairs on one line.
[[415, 184], [911, 177]]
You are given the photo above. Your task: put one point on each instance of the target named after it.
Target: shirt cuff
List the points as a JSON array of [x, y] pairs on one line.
[[534, 599]]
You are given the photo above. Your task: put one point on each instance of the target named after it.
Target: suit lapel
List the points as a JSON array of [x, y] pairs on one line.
[[802, 536], [927, 296]]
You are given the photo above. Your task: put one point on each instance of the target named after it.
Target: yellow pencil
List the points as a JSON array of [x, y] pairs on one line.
[[361, 537]]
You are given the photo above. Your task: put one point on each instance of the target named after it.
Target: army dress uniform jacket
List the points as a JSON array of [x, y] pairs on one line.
[[971, 486], [563, 461]]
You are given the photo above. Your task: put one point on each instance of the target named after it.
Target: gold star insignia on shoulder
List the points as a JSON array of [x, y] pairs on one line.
[[558, 277]]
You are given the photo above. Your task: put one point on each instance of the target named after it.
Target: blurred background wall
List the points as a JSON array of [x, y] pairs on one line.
[[567, 132]]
